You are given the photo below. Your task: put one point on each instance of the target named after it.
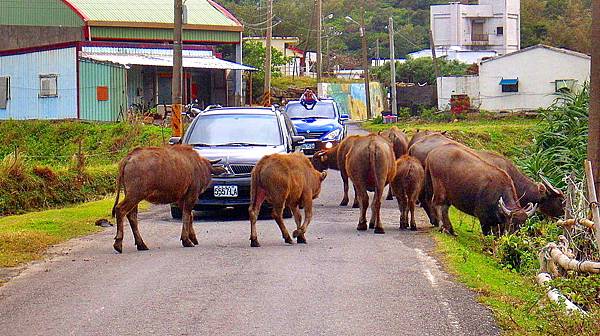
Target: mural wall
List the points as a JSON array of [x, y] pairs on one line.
[[351, 98]]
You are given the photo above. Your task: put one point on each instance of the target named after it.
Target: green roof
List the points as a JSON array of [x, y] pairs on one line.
[[201, 13]]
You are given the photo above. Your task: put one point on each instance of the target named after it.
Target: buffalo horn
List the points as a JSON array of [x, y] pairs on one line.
[[550, 186], [531, 208], [503, 207], [212, 162]]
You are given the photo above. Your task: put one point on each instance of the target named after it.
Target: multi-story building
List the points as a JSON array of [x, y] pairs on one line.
[[484, 25]]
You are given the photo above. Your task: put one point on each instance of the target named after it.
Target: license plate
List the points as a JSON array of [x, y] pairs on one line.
[[308, 145], [226, 191]]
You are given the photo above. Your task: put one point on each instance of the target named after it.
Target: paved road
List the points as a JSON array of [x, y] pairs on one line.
[[343, 282]]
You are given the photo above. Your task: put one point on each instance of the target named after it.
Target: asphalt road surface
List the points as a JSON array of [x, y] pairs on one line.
[[343, 282]]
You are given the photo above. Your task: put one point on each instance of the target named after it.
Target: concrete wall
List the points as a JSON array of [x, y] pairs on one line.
[[351, 98], [17, 37], [537, 70], [414, 96], [448, 86], [24, 72]]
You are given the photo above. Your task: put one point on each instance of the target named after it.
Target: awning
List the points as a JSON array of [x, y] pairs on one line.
[[509, 81], [166, 61]]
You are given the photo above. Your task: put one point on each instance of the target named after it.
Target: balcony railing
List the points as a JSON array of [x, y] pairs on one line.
[[480, 37]]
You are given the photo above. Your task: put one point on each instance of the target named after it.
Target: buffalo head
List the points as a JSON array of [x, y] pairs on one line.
[[552, 199], [319, 160], [516, 216]]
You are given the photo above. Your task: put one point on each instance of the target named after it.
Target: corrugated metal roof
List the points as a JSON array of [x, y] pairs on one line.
[[199, 12], [200, 59]]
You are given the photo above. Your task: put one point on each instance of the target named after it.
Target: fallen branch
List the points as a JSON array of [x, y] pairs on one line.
[[555, 296]]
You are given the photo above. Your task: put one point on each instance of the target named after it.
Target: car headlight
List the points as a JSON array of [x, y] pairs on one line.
[[332, 135]]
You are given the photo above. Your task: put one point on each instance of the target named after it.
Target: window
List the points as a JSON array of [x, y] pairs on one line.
[[499, 30], [564, 85], [4, 91], [510, 84], [48, 86]]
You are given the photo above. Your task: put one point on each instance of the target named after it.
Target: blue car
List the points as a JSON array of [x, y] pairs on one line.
[[321, 126]]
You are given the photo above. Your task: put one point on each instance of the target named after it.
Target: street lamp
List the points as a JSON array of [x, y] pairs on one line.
[[365, 57]]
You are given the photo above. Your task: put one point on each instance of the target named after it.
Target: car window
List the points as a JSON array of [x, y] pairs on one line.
[[320, 110], [236, 129], [290, 126]]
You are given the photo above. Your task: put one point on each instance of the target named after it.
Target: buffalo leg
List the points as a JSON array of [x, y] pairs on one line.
[[253, 211], [308, 214], [411, 207], [133, 222], [390, 195], [355, 204], [425, 200], [402, 207], [121, 211], [298, 233], [345, 199], [376, 209], [185, 228], [363, 198], [278, 216]]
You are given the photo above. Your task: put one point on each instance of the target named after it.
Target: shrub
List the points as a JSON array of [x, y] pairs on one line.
[[45, 173], [13, 166]]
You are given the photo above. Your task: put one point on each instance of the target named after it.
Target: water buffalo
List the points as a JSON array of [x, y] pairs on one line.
[[399, 142], [461, 178], [335, 158], [549, 198], [420, 134], [284, 180], [406, 186], [371, 166], [161, 175]]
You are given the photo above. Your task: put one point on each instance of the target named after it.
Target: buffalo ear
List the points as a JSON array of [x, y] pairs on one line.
[[323, 175], [542, 189], [323, 158]]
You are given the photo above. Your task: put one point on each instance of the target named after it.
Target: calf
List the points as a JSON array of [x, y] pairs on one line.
[[399, 142], [284, 180], [371, 166], [161, 175], [461, 178], [407, 185]]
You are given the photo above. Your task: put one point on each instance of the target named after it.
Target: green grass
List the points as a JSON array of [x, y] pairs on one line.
[[506, 136], [25, 237], [285, 82]]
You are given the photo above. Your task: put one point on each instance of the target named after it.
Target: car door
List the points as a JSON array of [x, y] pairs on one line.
[[290, 131]]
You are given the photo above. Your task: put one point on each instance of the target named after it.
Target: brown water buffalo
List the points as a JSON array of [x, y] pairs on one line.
[[149, 174], [549, 198], [335, 158], [399, 142], [284, 180], [420, 134], [461, 178], [371, 166], [406, 186]]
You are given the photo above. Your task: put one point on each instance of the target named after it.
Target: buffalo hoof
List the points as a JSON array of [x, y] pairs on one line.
[[362, 227], [413, 228], [389, 197], [371, 226], [301, 240], [118, 246], [355, 205], [254, 243], [379, 230], [187, 243], [295, 234], [344, 203], [401, 227], [142, 247], [194, 240], [289, 241]]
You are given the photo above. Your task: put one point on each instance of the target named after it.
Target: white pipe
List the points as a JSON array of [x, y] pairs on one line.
[[555, 296]]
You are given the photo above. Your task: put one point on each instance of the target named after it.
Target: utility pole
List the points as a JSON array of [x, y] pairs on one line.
[[436, 68], [365, 56], [377, 52], [267, 88], [392, 67], [594, 112], [176, 99], [319, 46]]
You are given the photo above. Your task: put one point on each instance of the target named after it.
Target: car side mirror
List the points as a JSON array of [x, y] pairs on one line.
[[174, 140], [344, 117], [297, 140]]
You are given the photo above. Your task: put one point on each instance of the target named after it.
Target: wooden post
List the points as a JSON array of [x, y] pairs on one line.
[[593, 199], [594, 112]]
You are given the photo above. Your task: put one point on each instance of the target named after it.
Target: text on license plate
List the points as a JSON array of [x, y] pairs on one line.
[[226, 191], [308, 145]]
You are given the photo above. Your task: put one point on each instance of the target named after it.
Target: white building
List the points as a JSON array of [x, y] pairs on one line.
[[455, 53], [521, 81], [488, 25]]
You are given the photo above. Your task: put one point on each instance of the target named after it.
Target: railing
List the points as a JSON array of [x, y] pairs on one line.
[[480, 38]]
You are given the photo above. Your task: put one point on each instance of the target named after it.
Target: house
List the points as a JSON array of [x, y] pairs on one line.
[[477, 25], [521, 81], [455, 53], [299, 64], [93, 59]]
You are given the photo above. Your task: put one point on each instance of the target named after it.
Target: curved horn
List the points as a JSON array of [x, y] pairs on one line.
[[503, 207], [550, 187], [531, 208], [212, 162]]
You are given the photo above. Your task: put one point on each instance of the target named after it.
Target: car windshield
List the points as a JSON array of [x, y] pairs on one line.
[[236, 130], [321, 110]]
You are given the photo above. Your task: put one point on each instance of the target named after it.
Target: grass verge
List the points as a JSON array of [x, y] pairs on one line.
[[24, 238]]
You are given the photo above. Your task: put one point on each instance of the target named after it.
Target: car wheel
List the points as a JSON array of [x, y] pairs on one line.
[[176, 213]]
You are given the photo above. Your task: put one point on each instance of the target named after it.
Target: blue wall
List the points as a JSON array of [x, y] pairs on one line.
[[24, 71]]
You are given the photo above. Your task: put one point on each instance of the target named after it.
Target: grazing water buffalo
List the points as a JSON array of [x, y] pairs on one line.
[[406, 186], [399, 142], [284, 180], [461, 178], [371, 166], [420, 134], [549, 198], [161, 175], [335, 158]]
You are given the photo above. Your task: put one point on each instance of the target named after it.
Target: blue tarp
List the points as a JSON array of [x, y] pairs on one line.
[[509, 81]]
